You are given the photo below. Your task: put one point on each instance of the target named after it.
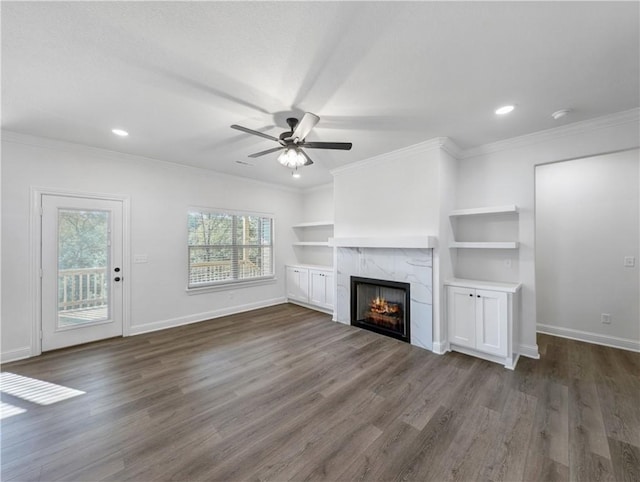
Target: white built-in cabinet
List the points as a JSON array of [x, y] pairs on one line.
[[310, 282], [298, 283], [481, 319], [311, 286]]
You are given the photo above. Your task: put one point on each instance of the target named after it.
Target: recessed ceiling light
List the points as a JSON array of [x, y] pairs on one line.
[[295, 174], [120, 132], [559, 114], [505, 109]]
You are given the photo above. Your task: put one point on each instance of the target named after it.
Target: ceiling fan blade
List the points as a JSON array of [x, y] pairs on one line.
[[255, 133], [309, 161], [304, 126], [345, 146], [268, 151]]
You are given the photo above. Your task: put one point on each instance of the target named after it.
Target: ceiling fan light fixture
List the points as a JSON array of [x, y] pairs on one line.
[[292, 158]]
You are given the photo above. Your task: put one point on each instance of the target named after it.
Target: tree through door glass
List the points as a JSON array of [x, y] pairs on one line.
[[83, 267]]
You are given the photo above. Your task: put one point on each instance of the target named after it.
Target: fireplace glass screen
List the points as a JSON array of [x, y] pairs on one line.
[[381, 306]]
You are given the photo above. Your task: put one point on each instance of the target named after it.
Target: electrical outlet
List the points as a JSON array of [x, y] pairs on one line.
[[629, 261], [605, 318]]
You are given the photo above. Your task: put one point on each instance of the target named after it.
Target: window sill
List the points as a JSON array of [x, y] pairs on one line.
[[231, 286]]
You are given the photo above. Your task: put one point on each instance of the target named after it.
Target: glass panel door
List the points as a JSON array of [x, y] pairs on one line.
[[83, 267], [82, 274]]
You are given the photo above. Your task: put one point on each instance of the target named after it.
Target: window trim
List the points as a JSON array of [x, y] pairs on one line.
[[234, 283]]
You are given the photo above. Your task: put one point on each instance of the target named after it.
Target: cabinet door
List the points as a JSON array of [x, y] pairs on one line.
[[491, 322], [329, 287], [461, 316], [298, 284], [321, 288], [317, 287]]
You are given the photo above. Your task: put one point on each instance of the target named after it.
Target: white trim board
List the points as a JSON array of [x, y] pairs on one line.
[[548, 135], [199, 317], [588, 337], [440, 347], [15, 355], [395, 242], [431, 145], [530, 351]]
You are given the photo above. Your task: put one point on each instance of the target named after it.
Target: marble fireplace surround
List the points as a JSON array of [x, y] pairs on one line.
[[406, 259]]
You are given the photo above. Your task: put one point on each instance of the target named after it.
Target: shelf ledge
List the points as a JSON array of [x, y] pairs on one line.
[[484, 285], [511, 208], [313, 224], [311, 243], [486, 245], [402, 242]]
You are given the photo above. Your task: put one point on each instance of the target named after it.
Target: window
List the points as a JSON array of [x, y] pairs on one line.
[[228, 247]]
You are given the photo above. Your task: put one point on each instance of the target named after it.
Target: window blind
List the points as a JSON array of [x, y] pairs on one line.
[[229, 247]]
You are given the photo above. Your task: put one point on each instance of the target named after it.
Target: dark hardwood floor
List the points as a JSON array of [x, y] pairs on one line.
[[283, 393]]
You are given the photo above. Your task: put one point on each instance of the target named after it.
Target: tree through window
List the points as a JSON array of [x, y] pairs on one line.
[[229, 247]]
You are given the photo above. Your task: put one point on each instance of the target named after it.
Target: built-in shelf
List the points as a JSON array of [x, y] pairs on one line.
[[485, 245], [313, 224], [487, 210], [406, 242], [511, 208], [311, 243]]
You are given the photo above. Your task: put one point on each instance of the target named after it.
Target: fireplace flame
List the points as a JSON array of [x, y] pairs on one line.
[[380, 305]]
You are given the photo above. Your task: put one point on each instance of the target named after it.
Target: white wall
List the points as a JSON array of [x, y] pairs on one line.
[[160, 194], [503, 173], [391, 195], [317, 204], [587, 221]]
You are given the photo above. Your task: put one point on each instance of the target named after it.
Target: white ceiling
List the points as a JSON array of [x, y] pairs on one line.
[[383, 75]]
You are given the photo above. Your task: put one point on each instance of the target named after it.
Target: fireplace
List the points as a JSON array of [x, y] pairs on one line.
[[381, 306]]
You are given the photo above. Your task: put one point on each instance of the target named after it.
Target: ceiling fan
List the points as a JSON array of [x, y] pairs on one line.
[[292, 142]]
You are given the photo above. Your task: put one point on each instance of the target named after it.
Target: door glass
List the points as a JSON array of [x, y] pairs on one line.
[[83, 267]]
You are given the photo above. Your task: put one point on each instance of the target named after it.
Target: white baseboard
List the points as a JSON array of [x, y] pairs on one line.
[[15, 355], [530, 351], [440, 347], [588, 337], [310, 306], [198, 317]]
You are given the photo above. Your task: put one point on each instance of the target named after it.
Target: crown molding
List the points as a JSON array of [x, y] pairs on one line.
[[321, 187], [48, 143], [582, 127], [432, 145], [451, 148]]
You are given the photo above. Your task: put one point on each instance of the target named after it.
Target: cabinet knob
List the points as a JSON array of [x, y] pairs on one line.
[[478, 296], [470, 294]]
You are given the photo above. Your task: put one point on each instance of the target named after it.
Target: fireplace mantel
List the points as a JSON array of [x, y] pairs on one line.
[[401, 242]]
